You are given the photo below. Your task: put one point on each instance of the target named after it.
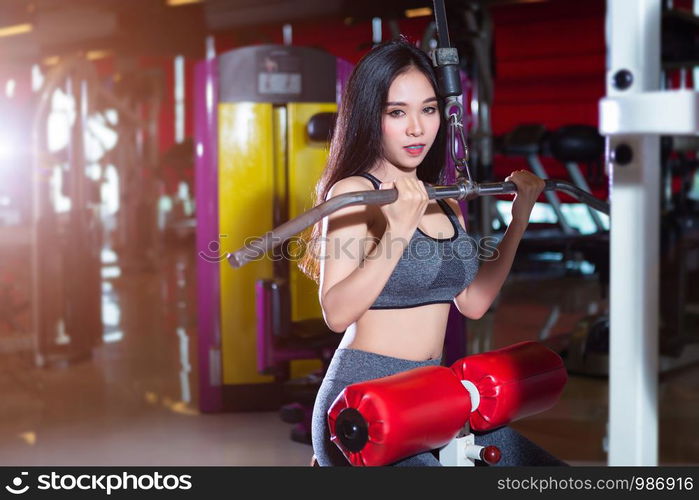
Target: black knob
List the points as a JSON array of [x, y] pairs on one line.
[[351, 429], [622, 154], [623, 79]]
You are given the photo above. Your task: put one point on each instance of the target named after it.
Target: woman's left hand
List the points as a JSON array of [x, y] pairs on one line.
[[529, 187]]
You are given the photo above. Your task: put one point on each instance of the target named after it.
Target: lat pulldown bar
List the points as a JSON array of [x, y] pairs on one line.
[[462, 190]]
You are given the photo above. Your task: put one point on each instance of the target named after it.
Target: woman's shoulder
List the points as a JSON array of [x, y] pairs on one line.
[[348, 185], [352, 184]]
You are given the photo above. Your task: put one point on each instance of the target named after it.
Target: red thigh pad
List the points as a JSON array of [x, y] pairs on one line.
[[384, 420], [512, 383]]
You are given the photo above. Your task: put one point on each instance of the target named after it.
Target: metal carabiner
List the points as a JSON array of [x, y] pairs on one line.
[[456, 137]]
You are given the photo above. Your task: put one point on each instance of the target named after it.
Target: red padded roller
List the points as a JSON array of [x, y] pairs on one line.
[[514, 382], [381, 421]]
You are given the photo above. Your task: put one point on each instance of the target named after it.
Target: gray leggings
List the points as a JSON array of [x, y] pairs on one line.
[[350, 366]]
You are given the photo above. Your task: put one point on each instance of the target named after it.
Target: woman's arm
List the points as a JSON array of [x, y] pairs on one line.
[[353, 267], [475, 299]]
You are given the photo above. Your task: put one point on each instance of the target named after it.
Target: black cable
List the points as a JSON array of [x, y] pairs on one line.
[[440, 17]]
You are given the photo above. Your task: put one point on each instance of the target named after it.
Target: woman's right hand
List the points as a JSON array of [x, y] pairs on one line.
[[404, 214]]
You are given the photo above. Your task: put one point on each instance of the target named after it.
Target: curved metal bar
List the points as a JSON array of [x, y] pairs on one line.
[[462, 190], [551, 185]]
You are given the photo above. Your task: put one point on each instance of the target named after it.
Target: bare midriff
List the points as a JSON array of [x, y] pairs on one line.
[[415, 333]]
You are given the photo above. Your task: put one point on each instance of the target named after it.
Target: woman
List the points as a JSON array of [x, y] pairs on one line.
[[387, 274]]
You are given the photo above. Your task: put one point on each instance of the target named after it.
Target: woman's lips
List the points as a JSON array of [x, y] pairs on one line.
[[414, 149]]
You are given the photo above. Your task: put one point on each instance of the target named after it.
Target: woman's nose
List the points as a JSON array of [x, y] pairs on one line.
[[414, 127]]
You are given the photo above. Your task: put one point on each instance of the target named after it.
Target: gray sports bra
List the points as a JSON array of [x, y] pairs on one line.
[[431, 270]]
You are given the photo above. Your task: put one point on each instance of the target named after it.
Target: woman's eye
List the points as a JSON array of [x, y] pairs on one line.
[[429, 110], [396, 113]]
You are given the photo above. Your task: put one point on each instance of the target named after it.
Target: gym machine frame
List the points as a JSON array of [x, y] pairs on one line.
[[633, 116]]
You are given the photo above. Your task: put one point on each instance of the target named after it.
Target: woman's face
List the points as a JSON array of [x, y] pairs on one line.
[[410, 119]]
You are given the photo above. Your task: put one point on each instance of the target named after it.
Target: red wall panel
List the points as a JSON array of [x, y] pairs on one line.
[[550, 69]]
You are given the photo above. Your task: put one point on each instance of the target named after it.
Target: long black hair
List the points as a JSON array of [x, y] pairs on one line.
[[356, 144]]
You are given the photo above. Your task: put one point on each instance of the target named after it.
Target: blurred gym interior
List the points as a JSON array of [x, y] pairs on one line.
[[136, 150]]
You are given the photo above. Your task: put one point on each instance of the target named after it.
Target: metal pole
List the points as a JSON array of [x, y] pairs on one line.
[[633, 32]]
